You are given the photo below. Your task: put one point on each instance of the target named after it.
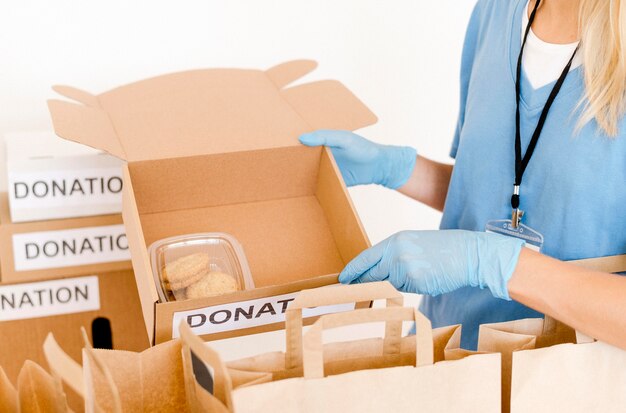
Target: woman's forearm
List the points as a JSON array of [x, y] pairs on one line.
[[589, 301], [428, 183]]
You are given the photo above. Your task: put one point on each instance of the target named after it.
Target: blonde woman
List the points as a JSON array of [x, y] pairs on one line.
[[540, 162]]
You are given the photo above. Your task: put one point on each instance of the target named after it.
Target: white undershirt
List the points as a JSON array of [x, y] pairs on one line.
[[543, 62]]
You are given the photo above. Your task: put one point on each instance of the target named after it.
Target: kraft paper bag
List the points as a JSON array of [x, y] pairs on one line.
[[39, 392], [123, 381], [279, 365], [446, 347], [289, 363], [508, 337], [211, 393], [471, 384], [8, 395], [225, 378], [588, 377]]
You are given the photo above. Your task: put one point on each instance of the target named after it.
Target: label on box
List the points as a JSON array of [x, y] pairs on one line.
[[69, 248], [246, 314], [55, 193], [48, 298]]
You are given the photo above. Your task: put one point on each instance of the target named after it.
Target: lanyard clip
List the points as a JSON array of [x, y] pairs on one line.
[[516, 217], [517, 214]]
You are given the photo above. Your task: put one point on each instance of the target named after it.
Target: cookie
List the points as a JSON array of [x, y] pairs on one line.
[[179, 295], [185, 271], [213, 283]]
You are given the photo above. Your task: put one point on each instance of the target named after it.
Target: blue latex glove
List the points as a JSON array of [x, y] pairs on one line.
[[364, 162], [438, 262]]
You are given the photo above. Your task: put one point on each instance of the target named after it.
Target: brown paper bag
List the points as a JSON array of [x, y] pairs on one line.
[[289, 363], [214, 395], [571, 377], [224, 378], [279, 365], [39, 392], [123, 381], [8, 395], [365, 355], [587, 377], [110, 374], [509, 337], [470, 385]]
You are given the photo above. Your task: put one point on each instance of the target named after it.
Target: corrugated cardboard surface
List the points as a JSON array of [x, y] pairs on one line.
[[224, 179], [8, 229], [265, 199], [22, 340], [291, 243], [285, 240]]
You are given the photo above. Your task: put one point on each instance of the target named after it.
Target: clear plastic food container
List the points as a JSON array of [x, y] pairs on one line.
[[199, 265]]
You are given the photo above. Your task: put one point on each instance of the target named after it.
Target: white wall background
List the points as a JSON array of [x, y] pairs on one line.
[[401, 57]]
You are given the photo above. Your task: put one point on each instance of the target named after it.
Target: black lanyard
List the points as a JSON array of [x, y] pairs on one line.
[[522, 163]]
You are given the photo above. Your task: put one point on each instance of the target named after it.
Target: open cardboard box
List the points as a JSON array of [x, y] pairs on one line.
[[40, 250], [217, 150]]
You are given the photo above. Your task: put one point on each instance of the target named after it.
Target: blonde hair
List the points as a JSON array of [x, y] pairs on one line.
[[602, 26]]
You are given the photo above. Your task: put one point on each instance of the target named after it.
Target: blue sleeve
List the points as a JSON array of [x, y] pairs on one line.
[[467, 62]]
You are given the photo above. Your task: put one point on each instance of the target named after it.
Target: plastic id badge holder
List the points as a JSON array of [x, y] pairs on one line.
[[534, 239]]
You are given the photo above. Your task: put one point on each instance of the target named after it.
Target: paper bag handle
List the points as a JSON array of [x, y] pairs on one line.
[[63, 366], [314, 347], [611, 263], [222, 383], [334, 295]]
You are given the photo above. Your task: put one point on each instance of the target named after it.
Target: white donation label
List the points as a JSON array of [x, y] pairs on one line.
[[48, 298], [51, 194], [246, 314], [69, 248]]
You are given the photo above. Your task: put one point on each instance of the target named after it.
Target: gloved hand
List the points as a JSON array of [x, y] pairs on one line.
[[364, 162], [438, 262]]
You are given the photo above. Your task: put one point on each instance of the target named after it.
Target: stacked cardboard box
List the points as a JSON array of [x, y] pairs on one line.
[[64, 257]]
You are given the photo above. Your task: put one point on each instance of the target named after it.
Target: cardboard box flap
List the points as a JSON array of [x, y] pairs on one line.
[[207, 111], [87, 125], [78, 95], [327, 104], [285, 73]]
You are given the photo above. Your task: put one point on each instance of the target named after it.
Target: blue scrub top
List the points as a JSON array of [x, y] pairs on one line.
[[573, 188]]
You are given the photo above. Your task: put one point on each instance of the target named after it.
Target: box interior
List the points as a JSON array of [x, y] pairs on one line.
[[280, 204]]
